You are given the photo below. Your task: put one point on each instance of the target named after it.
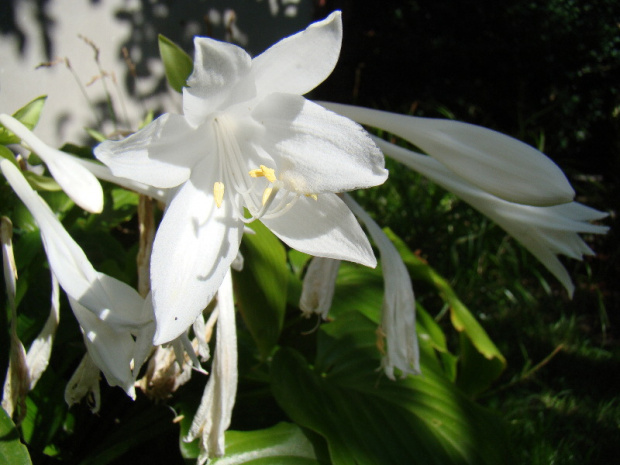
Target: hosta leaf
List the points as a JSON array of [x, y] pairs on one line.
[[261, 286], [368, 419], [282, 444], [12, 451], [177, 63]]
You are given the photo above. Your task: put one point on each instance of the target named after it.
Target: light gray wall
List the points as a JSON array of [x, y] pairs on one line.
[[37, 31]]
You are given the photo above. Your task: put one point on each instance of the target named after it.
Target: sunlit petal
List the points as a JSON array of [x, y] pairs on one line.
[[325, 228], [77, 182], [494, 162], [316, 150], [299, 63], [204, 239], [160, 155]]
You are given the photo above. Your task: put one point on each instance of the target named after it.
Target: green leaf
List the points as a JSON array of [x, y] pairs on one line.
[[429, 332], [97, 135], [368, 419], [41, 183], [282, 444], [6, 153], [28, 115], [11, 449], [476, 373], [262, 287], [177, 64], [358, 288]]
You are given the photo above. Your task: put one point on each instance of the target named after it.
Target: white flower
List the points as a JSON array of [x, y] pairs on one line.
[[78, 183], [544, 231], [319, 285], [114, 318], [248, 140], [215, 410], [494, 162], [398, 311]]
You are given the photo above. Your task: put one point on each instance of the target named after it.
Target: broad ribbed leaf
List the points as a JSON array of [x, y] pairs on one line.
[[177, 64], [282, 444], [368, 419], [262, 286], [11, 449]]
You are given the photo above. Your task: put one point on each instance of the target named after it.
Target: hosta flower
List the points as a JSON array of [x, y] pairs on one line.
[[545, 231], [487, 159], [215, 410], [398, 309], [248, 142], [77, 182], [319, 286], [116, 321]]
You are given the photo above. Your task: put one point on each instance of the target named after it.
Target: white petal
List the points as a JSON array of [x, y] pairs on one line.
[[216, 82], [41, 348], [160, 155], [324, 228], [299, 63], [104, 173], [110, 349], [496, 163], [398, 312], [106, 296], [77, 182], [67, 260], [194, 246], [84, 381], [144, 337], [215, 410], [319, 285], [544, 231], [316, 150]]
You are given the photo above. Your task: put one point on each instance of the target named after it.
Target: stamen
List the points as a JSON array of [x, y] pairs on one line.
[[313, 197], [266, 194], [218, 192], [269, 173]]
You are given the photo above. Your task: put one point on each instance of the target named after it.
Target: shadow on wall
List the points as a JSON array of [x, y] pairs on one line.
[[39, 31]]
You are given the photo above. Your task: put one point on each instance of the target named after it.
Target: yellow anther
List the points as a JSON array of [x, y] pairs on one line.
[[266, 194], [313, 196], [269, 173], [218, 192]]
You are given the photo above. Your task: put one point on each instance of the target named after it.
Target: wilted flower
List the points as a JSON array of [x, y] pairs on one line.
[[248, 140], [215, 409]]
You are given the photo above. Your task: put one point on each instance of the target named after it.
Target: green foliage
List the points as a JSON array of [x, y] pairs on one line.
[[262, 287], [28, 115], [177, 63], [282, 444], [340, 396], [11, 449]]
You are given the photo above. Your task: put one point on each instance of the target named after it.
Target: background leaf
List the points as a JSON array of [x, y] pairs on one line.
[[177, 63], [12, 451], [368, 419], [262, 286], [28, 115], [282, 444]]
